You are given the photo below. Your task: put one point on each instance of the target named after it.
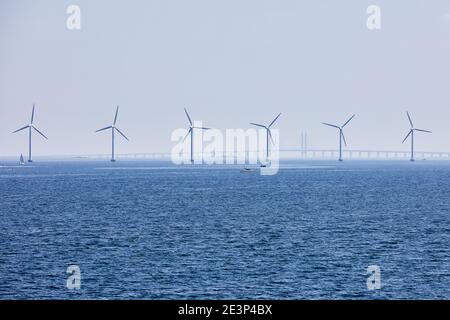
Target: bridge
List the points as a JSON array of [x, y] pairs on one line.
[[291, 154], [366, 154]]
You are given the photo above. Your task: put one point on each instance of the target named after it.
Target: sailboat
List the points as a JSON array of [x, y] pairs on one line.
[[21, 161]]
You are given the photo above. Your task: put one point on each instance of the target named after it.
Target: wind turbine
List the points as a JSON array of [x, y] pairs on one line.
[[411, 133], [30, 129], [191, 132], [113, 130], [341, 134], [268, 133]]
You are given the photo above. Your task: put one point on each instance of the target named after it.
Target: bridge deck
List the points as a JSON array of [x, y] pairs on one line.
[[298, 154]]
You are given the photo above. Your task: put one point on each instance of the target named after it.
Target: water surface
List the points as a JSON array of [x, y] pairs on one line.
[[157, 231]]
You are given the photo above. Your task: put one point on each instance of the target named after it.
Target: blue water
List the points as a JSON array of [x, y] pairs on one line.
[[157, 231]]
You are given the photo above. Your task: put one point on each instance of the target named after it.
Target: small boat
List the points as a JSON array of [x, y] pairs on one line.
[[247, 170], [21, 161], [264, 164]]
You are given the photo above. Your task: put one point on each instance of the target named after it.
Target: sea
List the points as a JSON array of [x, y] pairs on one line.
[[153, 230]]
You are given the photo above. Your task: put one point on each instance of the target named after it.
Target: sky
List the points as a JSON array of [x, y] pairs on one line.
[[230, 62]]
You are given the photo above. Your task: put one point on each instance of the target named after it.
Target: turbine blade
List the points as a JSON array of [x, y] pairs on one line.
[[409, 118], [203, 128], [407, 136], [103, 129], [274, 120], [115, 117], [421, 130], [343, 138], [189, 118], [189, 131], [348, 120], [32, 115], [331, 125], [270, 135], [21, 129], [40, 132], [121, 133], [258, 125]]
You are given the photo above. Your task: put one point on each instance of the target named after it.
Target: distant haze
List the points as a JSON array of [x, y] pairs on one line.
[[229, 62]]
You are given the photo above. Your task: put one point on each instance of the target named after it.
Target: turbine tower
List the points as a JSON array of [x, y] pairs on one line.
[[30, 128], [341, 134], [191, 132], [113, 130], [411, 133], [268, 133]]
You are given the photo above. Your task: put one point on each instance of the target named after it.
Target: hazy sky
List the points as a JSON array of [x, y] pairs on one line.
[[230, 62]]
